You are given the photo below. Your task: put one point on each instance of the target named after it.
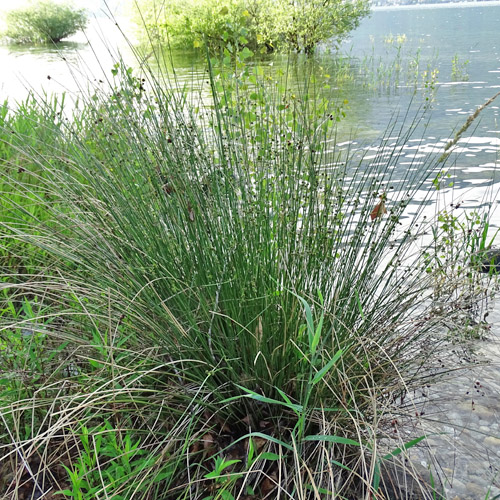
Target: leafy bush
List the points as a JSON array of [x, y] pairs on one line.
[[303, 24], [283, 25], [44, 22]]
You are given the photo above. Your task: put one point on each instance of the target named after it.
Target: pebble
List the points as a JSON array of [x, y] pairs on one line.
[[493, 442], [475, 489]]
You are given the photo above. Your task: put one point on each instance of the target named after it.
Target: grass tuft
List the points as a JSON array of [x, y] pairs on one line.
[[203, 304]]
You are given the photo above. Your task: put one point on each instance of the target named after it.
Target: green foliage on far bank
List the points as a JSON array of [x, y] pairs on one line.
[[43, 22], [266, 25]]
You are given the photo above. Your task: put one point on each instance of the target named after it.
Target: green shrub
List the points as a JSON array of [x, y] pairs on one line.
[[298, 26], [44, 22], [303, 24]]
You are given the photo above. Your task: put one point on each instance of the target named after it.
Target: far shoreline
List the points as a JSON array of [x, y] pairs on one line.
[[447, 5]]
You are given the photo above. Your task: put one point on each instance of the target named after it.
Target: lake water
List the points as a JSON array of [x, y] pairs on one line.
[[445, 60], [434, 36]]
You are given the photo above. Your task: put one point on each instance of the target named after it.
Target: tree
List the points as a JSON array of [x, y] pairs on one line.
[[44, 22], [298, 25]]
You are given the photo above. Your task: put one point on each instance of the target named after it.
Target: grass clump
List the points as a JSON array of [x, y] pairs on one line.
[[213, 313]]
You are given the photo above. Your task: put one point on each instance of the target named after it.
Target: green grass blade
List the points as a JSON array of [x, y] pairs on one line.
[[321, 373]]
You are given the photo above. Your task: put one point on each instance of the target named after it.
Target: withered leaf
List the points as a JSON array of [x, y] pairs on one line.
[[168, 189], [259, 443], [209, 444], [259, 331], [379, 209], [190, 212], [269, 483], [247, 420]]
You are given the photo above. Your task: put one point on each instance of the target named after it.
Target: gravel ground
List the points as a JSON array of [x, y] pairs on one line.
[[461, 417]]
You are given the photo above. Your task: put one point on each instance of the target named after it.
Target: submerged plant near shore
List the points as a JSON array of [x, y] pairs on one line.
[[219, 294]]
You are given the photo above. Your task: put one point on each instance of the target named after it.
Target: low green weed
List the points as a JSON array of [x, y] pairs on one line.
[[459, 69], [107, 462], [461, 240]]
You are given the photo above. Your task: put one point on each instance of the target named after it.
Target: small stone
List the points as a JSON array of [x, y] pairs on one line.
[[483, 412], [492, 441], [464, 407], [476, 490], [458, 487]]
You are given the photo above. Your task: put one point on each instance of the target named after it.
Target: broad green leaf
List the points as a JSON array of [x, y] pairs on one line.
[[263, 399], [251, 451], [246, 53], [333, 439], [317, 335], [376, 476], [341, 465], [285, 397], [309, 320], [321, 373], [406, 446], [264, 436], [319, 490]]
